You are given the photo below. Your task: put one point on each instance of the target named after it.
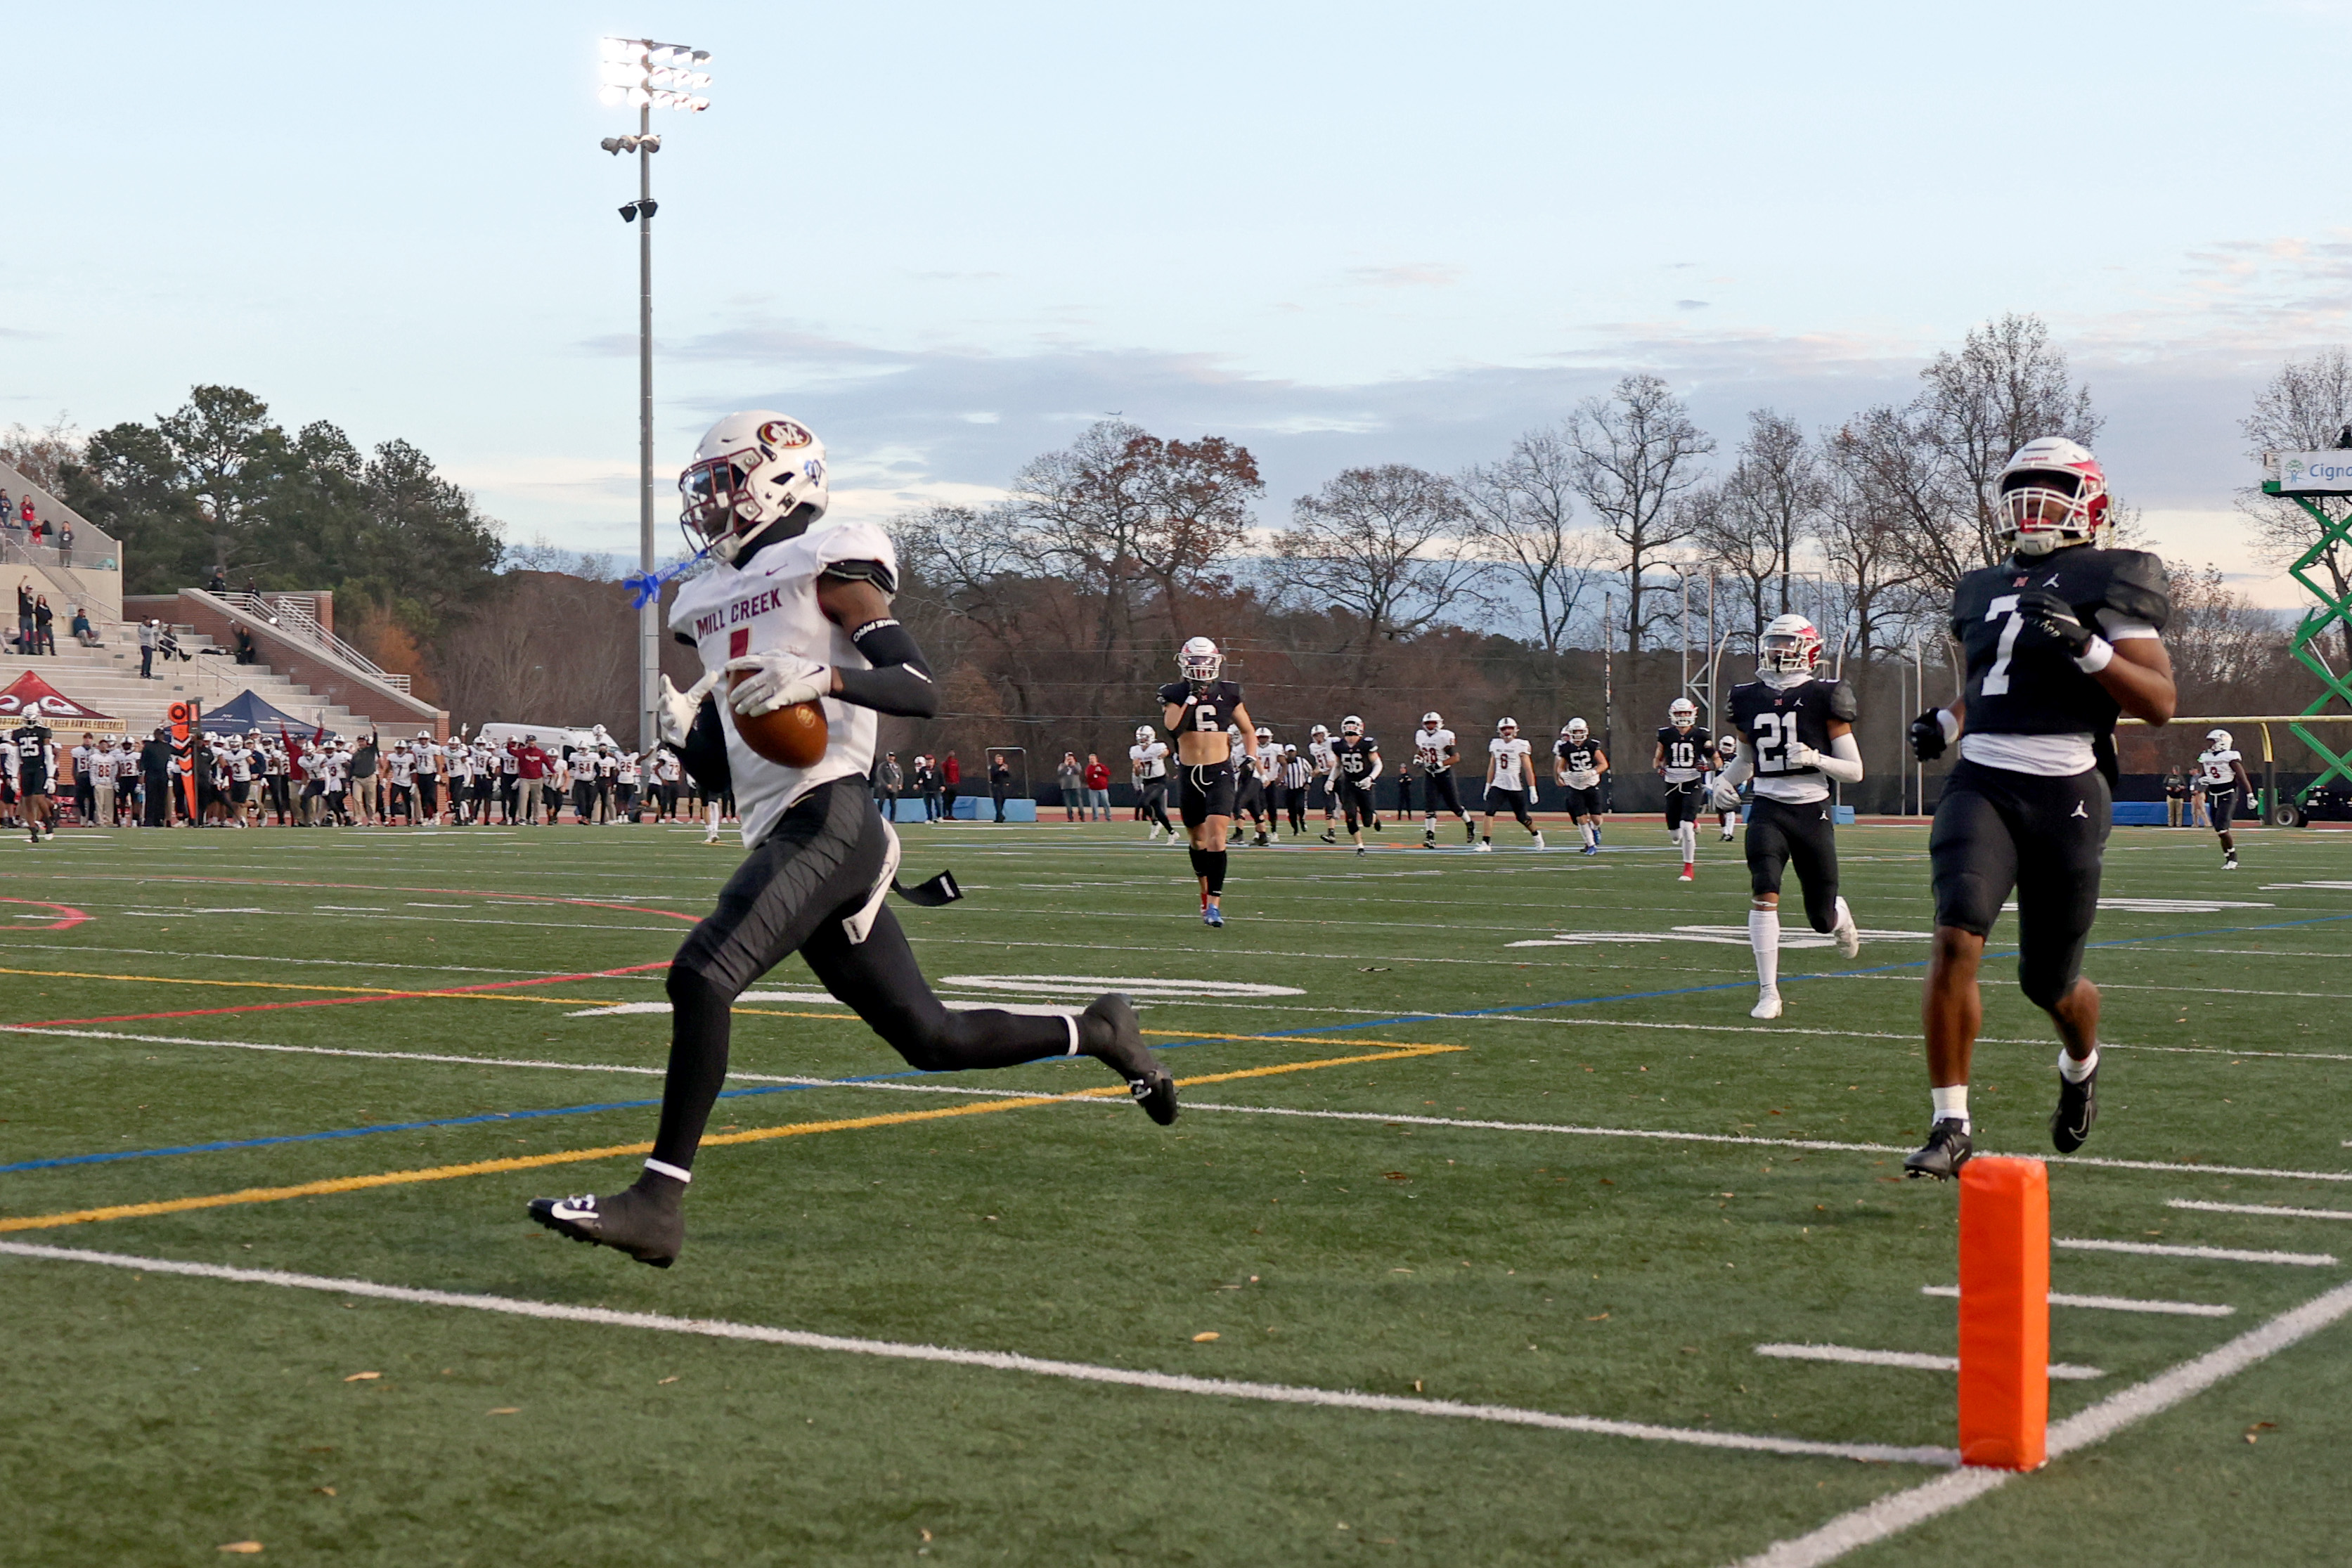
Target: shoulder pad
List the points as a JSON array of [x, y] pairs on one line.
[[1842, 700], [1174, 692], [855, 542], [877, 572], [2139, 587]]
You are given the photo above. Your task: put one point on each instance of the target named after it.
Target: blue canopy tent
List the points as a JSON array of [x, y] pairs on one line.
[[244, 713]]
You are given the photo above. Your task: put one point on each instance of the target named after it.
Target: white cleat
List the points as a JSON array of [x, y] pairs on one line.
[[1767, 1006], [1540, 843], [1849, 937], [1486, 847]]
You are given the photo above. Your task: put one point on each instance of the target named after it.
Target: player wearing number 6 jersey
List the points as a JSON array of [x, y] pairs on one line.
[[2060, 639], [1796, 734], [1197, 710]]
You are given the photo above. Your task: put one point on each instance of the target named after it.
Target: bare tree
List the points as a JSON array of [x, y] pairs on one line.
[[42, 455], [1521, 512], [1633, 453], [1863, 531], [2006, 386], [2304, 408], [1755, 523], [1378, 546]]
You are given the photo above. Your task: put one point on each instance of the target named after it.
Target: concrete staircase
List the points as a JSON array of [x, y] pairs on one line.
[[107, 678]]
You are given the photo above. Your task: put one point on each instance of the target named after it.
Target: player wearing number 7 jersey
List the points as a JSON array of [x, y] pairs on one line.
[[2060, 639], [1796, 734]]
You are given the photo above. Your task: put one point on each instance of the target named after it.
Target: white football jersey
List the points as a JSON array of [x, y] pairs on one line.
[[1149, 760], [1506, 763], [2217, 769], [1429, 746], [771, 607], [404, 767], [1320, 757], [428, 757]]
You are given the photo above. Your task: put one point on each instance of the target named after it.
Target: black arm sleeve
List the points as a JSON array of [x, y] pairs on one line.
[[705, 752], [899, 681]]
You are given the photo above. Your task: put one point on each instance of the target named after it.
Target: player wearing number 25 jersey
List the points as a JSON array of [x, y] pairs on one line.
[[2060, 639], [1796, 734]]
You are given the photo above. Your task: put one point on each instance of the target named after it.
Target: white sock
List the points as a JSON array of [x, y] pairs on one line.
[[1591, 834], [2074, 1071], [1952, 1104], [1429, 823], [1764, 936], [1688, 832]]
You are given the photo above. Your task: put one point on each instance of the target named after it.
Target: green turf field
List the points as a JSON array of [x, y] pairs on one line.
[[1335, 1213]]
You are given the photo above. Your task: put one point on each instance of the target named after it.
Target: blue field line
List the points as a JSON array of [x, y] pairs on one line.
[[492, 1116]]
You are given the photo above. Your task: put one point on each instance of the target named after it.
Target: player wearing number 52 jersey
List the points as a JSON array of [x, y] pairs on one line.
[[1796, 734], [1197, 711], [2060, 639]]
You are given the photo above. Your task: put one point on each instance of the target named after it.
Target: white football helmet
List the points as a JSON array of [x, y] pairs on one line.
[[1263, 733], [2217, 740], [753, 471], [1430, 720], [1507, 726], [1728, 745], [1576, 730], [1142, 735], [1791, 646], [1320, 732], [1352, 725], [1682, 713], [2052, 494], [1200, 660]]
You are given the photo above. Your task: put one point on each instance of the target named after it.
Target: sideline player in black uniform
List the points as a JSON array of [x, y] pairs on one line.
[[1683, 760], [2059, 639], [1577, 763], [1196, 711], [1796, 732], [2222, 774], [1249, 784], [1434, 753], [1354, 766], [799, 612]]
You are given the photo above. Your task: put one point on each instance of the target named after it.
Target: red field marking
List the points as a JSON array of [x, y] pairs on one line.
[[65, 919], [346, 1001], [372, 887]]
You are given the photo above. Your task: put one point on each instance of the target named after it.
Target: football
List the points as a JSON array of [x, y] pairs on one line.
[[793, 737]]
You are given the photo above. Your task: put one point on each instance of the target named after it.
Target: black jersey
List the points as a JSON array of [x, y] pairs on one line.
[[31, 744], [1684, 750], [2039, 690], [1578, 756], [1771, 719], [1207, 708], [1355, 754]]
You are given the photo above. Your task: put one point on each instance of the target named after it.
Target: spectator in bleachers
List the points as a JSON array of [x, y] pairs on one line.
[[65, 544], [147, 648], [25, 615], [218, 582], [83, 632], [44, 627]]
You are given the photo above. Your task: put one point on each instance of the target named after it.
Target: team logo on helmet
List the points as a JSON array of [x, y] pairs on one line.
[[1200, 660], [1682, 713], [2053, 493], [785, 433], [1576, 730], [1791, 646]]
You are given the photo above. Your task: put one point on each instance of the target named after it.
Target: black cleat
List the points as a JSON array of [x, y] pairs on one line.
[[1328, 838], [1125, 1053], [631, 1221], [1947, 1150], [2078, 1107]]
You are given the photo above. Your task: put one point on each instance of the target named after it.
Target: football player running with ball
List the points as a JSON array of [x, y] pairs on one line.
[[1434, 753], [2223, 773], [2059, 639], [797, 612], [1197, 710], [1683, 760], [1796, 733]]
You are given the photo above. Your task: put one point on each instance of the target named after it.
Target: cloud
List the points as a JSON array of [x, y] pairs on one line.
[[1691, 304], [1409, 275]]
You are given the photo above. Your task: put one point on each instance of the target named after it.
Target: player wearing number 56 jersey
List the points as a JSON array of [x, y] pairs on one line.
[[1197, 710], [2060, 639], [1796, 735]]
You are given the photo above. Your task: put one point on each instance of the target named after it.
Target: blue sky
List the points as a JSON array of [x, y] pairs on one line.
[[948, 235]]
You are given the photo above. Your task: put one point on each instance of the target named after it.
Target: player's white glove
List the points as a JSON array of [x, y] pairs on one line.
[[1802, 756], [1726, 797], [674, 714], [772, 680]]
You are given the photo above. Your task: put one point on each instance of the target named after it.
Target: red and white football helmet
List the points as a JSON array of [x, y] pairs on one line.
[[1791, 645], [753, 471], [1200, 660], [2053, 493]]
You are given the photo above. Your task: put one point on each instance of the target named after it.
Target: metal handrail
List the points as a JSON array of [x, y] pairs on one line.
[[287, 610]]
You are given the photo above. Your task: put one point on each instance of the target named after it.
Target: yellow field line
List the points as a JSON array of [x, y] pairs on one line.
[[615, 1150], [184, 981]]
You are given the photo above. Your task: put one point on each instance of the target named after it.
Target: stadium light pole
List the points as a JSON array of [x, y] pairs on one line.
[[647, 75]]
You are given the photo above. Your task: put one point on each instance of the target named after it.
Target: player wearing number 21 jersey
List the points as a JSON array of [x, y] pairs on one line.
[[2060, 639], [1796, 735]]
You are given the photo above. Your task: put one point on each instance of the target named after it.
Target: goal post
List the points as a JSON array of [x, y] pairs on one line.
[[2275, 812]]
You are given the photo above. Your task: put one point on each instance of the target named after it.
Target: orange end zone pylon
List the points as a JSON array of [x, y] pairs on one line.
[[2004, 1312]]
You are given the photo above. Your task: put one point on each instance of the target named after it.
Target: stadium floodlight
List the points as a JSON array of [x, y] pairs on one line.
[[646, 74]]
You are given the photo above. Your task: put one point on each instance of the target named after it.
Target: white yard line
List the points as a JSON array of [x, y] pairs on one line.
[[1905, 1358], [2111, 1303], [1003, 1361], [2270, 1210], [2215, 1254], [1898, 1512]]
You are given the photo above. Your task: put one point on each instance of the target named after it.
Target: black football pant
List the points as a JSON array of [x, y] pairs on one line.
[[1440, 793], [819, 867], [1780, 834], [1997, 831], [1294, 805], [1356, 803], [1155, 803], [1685, 802]]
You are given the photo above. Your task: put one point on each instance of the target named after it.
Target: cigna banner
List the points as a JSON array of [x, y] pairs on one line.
[[2310, 473]]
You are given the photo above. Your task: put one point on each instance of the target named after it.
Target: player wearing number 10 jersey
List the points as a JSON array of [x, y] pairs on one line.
[[2060, 639], [1796, 734]]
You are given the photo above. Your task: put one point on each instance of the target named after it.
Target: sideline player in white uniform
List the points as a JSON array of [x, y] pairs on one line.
[[1510, 782], [1323, 762], [1727, 747], [2223, 773], [798, 612], [1434, 753], [1147, 766], [1683, 760]]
